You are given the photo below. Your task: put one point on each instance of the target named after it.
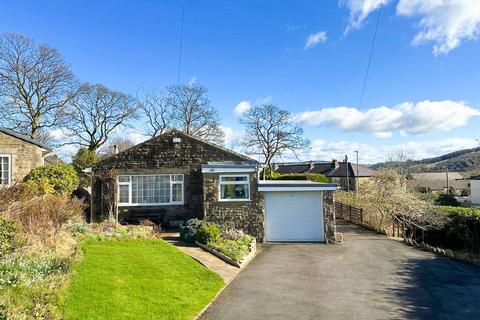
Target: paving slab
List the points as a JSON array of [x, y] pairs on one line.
[[223, 269]]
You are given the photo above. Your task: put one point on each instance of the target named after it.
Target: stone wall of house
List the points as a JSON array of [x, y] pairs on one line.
[[24, 155], [243, 215], [329, 216], [161, 155]]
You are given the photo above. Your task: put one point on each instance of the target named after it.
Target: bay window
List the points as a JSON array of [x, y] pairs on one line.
[[5, 170], [148, 190], [234, 188]]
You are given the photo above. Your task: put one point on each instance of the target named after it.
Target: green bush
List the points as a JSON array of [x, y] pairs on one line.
[[462, 230], [234, 249], [315, 177], [59, 178], [189, 229], [84, 158], [7, 238], [208, 233], [447, 200]]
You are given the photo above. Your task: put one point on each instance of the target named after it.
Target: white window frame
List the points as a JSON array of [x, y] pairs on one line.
[[129, 184], [10, 166], [220, 183]]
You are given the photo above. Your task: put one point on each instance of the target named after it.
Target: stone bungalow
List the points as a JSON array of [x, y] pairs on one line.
[[18, 155], [175, 177]]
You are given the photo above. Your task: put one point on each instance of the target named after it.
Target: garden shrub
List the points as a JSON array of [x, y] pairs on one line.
[[59, 178], [189, 229], [7, 236], [42, 217], [234, 249], [84, 158], [462, 231], [445, 199], [315, 177], [207, 233]]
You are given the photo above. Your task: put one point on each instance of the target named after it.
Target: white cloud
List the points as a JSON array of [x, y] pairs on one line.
[[242, 107], [245, 105], [408, 118], [315, 38], [383, 135], [446, 23], [193, 80], [233, 138], [359, 11], [323, 150]]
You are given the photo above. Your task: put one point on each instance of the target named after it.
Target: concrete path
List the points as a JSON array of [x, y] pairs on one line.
[[367, 277], [225, 270]]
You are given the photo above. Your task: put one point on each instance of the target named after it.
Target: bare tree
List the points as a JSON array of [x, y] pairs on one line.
[[115, 144], [400, 160], [35, 85], [270, 130], [193, 113], [96, 112], [157, 111]]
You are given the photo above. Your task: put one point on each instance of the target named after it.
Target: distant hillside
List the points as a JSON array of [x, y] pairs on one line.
[[455, 161]]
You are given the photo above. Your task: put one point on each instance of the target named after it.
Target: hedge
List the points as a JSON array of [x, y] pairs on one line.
[[315, 177], [461, 231]]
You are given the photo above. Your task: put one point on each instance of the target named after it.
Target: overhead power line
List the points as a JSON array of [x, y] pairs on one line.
[[370, 56], [181, 42]]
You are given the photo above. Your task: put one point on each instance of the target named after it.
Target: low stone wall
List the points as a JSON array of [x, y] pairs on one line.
[[443, 252]]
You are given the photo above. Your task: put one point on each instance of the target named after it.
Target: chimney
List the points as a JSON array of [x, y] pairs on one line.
[[335, 163], [311, 165], [115, 149]]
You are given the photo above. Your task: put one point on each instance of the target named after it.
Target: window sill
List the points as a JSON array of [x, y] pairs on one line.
[[234, 200], [150, 204]]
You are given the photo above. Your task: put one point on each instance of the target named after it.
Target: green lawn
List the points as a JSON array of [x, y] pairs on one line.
[[138, 279]]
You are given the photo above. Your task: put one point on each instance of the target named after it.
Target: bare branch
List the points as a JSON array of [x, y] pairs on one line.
[[95, 112], [269, 129], [35, 85], [192, 112]]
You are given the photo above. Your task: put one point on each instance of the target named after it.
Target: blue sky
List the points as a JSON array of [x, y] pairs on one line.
[[255, 51]]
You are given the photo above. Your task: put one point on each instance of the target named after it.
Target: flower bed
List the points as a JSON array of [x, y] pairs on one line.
[[230, 245]]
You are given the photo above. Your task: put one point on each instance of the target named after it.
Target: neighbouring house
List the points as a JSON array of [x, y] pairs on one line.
[[334, 170], [475, 190], [438, 181], [174, 177], [18, 155]]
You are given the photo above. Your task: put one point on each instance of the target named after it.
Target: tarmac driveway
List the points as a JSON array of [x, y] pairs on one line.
[[366, 277]]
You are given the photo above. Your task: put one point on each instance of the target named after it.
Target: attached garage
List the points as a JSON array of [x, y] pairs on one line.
[[294, 210]]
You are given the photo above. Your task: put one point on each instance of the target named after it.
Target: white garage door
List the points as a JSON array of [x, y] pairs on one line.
[[294, 216]]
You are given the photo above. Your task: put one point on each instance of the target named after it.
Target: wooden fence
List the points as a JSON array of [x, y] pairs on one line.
[[348, 213], [405, 228]]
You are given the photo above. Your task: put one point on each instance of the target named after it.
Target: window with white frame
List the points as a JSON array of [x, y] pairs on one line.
[[234, 187], [5, 170], [153, 189]]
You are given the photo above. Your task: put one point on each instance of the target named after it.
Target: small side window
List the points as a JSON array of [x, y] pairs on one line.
[[234, 188]]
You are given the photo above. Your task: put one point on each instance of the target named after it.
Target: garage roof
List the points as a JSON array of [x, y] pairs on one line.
[[294, 185]]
